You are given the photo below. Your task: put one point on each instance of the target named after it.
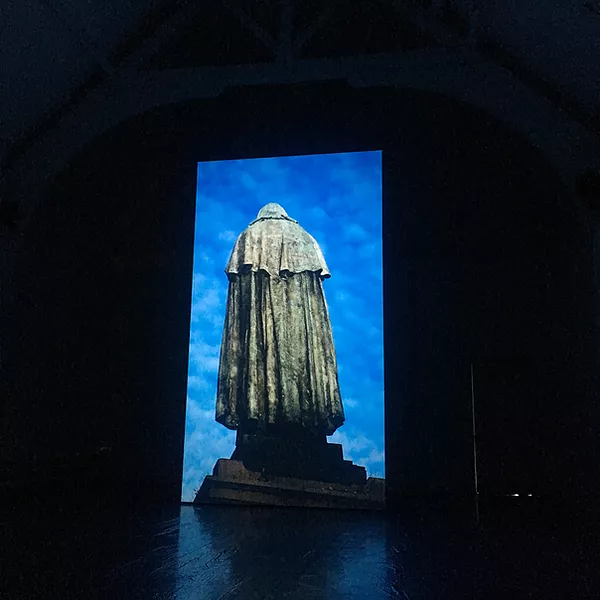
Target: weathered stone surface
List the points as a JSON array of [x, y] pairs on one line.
[[297, 455], [276, 244], [232, 483], [277, 364], [278, 378]]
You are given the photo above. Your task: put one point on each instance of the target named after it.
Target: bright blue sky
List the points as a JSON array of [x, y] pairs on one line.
[[337, 199]]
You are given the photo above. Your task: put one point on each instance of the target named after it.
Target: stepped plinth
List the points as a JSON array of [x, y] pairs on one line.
[[290, 471]]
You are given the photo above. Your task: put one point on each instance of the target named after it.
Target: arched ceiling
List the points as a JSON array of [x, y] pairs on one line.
[[73, 68]]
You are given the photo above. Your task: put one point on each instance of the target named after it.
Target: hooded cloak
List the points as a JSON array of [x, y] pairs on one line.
[[277, 364]]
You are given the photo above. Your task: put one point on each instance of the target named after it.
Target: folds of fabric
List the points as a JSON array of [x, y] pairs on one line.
[[276, 246], [278, 363]]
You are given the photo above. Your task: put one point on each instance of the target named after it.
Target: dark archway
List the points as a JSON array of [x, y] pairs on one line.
[[485, 259]]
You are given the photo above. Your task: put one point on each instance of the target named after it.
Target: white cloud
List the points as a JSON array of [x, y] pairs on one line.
[[350, 402], [228, 236], [204, 357], [209, 297], [205, 442], [203, 260], [351, 315], [214, 216], [317, 214], [199, 383], [198, 282], [248, 181], [376, 456], [377, 274], [361, 450], [341, 296], [373, 332], [370, 250], [336, 204], [272, 169], [355, 233]]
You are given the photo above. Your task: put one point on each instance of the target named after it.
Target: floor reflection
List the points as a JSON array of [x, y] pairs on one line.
[[248, 552]]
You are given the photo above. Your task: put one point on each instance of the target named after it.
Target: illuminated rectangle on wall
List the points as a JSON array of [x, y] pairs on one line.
[[336, 200]]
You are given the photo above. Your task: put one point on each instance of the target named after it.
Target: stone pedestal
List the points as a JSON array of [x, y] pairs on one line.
[[232, 483], [297, 455], [290, 467]]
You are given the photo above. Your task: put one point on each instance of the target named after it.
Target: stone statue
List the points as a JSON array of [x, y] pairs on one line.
[[278, 369], [278, 382]]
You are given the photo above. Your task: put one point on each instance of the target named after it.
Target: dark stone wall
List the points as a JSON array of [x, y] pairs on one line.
[[486, 263]]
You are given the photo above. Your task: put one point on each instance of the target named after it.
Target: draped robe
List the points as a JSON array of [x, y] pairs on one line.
[[277, 363]]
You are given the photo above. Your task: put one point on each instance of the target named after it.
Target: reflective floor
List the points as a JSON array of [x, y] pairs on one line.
[[226, 553]]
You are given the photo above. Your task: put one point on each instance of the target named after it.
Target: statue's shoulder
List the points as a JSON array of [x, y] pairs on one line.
[[270, 226]]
